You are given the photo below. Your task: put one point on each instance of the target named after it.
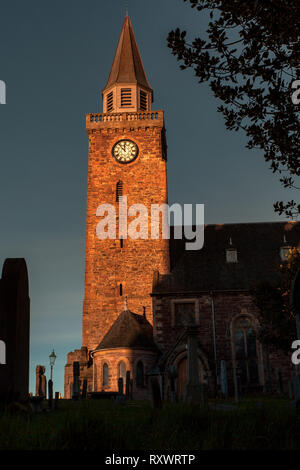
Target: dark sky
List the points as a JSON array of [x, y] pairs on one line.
[[55, 58]]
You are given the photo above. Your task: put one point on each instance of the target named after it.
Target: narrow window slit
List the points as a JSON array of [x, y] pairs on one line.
[[119, 191]]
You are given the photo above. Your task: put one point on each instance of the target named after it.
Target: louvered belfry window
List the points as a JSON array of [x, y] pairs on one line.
[[110, 101], [126, 97], [119, 191], [143, 100]]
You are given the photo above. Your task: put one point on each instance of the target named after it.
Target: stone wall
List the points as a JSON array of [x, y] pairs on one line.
[[228, 306], [86, 370], [130, 357], [144, 182]]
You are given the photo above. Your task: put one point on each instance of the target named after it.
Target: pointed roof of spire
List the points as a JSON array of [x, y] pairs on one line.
[[127, 66]]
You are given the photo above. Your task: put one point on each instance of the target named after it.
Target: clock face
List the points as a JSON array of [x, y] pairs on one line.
[[125, 151]]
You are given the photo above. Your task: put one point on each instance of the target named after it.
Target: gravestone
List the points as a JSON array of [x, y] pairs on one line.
[[36, 403], [279, 381], [14, 331], [56, 400], [131, 389], [40, 382], [290, 390], [50, 394], [120, 386], [2, 352], [238, 394], [204, 387], [84, 389], [193, 389], [296, 389], [120, 398], [127, 387], [172, 374], [224, 383], [268, 383], [155, 395], [76, 383]]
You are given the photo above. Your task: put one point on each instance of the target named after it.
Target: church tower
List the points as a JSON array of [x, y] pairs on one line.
[[127, 158]]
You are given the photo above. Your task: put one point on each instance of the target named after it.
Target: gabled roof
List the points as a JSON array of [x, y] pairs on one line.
[[127, 66], [129, 331], [258, 251]]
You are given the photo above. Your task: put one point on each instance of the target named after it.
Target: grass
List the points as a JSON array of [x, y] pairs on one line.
[[94, 425]]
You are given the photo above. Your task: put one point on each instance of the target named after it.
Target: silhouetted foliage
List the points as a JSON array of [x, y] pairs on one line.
[[277, 320], [250, 58]]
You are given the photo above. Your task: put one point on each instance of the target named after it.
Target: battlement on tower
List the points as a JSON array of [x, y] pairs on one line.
[[125, 120]]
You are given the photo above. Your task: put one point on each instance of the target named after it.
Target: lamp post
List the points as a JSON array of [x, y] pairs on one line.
[[52, 358]]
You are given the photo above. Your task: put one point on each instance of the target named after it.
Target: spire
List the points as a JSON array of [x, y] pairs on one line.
[[127, 67], [125, 304]]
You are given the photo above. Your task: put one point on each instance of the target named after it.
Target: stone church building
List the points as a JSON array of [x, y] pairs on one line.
[[145, 298]]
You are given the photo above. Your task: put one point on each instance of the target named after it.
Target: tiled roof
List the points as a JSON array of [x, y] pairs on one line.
[[129, 331], [258, 251]]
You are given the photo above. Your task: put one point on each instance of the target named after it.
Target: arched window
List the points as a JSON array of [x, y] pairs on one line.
[[122, 371], [245, 350], [105, 375], [121, 290], [119, 191], [140, 374]]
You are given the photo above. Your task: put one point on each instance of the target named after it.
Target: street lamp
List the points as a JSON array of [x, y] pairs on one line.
[[52, 358]]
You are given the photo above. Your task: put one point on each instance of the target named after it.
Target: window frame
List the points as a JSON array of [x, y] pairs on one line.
[[103, 375], [174, 302]]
